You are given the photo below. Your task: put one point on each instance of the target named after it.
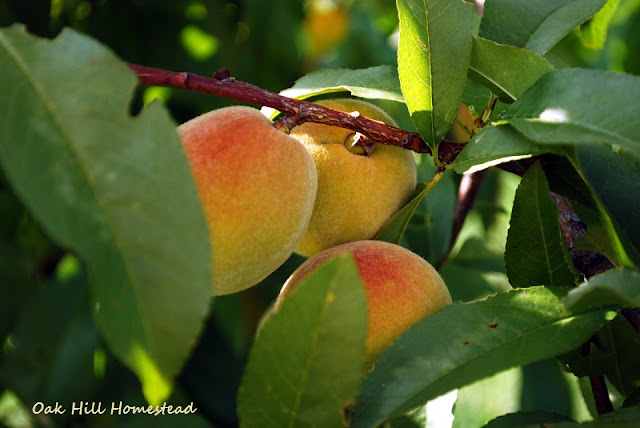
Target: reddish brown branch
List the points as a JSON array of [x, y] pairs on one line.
[[467, 192], [297, 111]]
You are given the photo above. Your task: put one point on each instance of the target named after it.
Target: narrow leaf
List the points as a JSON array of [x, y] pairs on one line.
[[580, 106], [394, 229], [594, 32], [613, 287], [507, 70], [536, 253], [536, 26], [308, 358], [429, 231], [433, 57], [466, 342], [116, 190]]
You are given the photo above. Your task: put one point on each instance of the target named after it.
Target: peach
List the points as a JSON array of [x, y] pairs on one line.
[[358, 191], [257, 186], [401, 287], [462, 127]]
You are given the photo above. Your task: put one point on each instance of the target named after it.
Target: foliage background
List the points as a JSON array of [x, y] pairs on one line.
[[269, 44]]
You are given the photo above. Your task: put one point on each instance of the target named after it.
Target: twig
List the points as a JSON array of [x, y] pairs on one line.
[[467, 192], [297, 111]]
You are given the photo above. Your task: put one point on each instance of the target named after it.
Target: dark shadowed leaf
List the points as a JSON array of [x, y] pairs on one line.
[[529, 420], [597, 239], [614, 181], [536, 26], [53, 345]]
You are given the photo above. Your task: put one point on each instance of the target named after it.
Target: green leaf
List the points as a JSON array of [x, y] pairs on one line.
[[536, 253], [379, 82], [580, 106], [116, 190], [495, 145], [53, 344], [621, 340], [394, 229], [613, 287], [429, 231], [593, 33], [506, 70], [614, 182], [598, 240], [433, 58], [467, 342], [308, 358], [476, 96], [536, 26], [622, 418], [483, 400], [534, 419]]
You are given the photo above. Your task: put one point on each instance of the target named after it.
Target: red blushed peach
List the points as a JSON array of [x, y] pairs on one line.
[[257, 186], [402, 288]]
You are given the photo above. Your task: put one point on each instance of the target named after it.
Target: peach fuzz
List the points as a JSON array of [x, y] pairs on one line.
[[357, 193], [257, 186], [401, 287]]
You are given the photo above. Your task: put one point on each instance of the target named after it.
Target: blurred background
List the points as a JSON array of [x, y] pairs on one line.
[[269, 44]]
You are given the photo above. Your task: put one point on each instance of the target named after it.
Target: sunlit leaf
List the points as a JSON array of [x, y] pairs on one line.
[[433, 57]]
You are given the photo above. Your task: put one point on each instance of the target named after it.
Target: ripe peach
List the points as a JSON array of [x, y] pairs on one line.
[[402, 288], [358, 190], [257, 186]]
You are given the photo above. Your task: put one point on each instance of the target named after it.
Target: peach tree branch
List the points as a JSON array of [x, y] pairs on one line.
[[297, 111]]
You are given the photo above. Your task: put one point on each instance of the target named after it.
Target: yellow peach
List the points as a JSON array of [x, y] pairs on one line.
[[402, 288], [257, 186], [462, 127], [358, 191]]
